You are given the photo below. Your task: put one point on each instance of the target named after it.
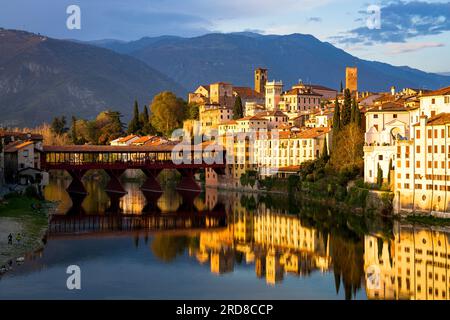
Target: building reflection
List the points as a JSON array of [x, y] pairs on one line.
[[273, 240], [389, 260], [413, 265]]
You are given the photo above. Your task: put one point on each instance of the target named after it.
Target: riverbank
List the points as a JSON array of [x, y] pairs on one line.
[[24, 216]]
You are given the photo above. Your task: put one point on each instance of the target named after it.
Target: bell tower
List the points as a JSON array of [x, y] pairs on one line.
[[260, 80]]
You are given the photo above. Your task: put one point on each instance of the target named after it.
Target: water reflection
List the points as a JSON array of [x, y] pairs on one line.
[[295, 248]]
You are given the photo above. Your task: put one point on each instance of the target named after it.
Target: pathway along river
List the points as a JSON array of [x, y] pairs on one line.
[[226, 245]]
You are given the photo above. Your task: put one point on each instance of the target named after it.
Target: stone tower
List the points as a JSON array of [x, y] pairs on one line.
[[260, 80], [274, 90], [351, 79]]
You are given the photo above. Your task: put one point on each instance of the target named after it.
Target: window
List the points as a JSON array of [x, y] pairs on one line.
[[417, 164], [380, 157], [442, 133], [25, 153], [429, 134], [375, 116], [446, 99], [418, 134], [394, 116], [433, 101], [417, 149]]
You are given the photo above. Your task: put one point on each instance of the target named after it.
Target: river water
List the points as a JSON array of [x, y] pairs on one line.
[[226, 245]]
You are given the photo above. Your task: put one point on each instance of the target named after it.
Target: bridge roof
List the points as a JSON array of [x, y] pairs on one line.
[[105, 149]]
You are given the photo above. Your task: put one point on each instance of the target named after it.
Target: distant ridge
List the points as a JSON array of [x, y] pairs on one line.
[[232, 57], [41, 78]]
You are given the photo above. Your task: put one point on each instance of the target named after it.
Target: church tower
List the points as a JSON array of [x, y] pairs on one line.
[[260, 80]]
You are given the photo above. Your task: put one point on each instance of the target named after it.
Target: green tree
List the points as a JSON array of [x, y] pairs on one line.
[[192, 112], [347, 108], [379, 176], [168, 112], [73, 132], [391, 167], [336, 119], [342, 88], [357, 115], [325, 155], [135, 125], [238, 110], [58, 126]]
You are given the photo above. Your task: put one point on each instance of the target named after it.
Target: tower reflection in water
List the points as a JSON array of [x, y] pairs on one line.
[[279, 238]]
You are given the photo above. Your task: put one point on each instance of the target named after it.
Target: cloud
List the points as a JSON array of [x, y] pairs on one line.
[[399, 48], [400, 21]]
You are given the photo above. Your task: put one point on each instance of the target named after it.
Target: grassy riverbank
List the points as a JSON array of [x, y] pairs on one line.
[[24, 215]]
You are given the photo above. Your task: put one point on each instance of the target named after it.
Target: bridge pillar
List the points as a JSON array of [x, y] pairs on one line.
[[76, 187], [188, 182], [114, 185], [151, 199], [151, 184]]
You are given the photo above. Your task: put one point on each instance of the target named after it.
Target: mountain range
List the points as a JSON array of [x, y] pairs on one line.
[[233, 57], [41, 78]]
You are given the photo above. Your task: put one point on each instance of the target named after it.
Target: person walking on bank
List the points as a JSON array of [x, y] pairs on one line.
[[18, 237], [10, 237]]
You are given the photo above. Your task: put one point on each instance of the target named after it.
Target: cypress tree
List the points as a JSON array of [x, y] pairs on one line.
[[379, 176], [238, 110], [357, 116], [73, 133], [390, 169], [336, 117], [342, 88], [347, 108], [135, 124], [325, 150]]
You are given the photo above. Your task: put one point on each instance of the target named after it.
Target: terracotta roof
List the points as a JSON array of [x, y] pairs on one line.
[[439, 119], [274, 113], [312, 133], [439, 92], [13, 147], [143, 139], [127, 138], [388, 107], [301, 92], [253, 118], [247, 92], [227, 123]]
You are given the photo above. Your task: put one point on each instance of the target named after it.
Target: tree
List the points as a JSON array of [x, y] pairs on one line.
[[238, 110], [135, 125], [167, 112], [144, 117], [73, 133], [342, 88], [336, 119], [325, 155], [347, 108], [357, 115], [192, 112], [379, 176], [59, 125], [391, 167], [347, 149]]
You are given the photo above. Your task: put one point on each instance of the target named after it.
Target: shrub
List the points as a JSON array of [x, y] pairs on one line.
[[31, 192]]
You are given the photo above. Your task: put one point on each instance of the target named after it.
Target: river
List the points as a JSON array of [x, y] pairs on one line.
[[226, 245]]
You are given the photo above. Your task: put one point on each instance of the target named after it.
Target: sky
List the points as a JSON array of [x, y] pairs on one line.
[[412, 33]]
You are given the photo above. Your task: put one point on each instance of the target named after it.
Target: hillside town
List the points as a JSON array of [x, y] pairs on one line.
[[276, 131]]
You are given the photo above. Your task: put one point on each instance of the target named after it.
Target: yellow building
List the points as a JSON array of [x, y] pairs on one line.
[[414, 265]]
